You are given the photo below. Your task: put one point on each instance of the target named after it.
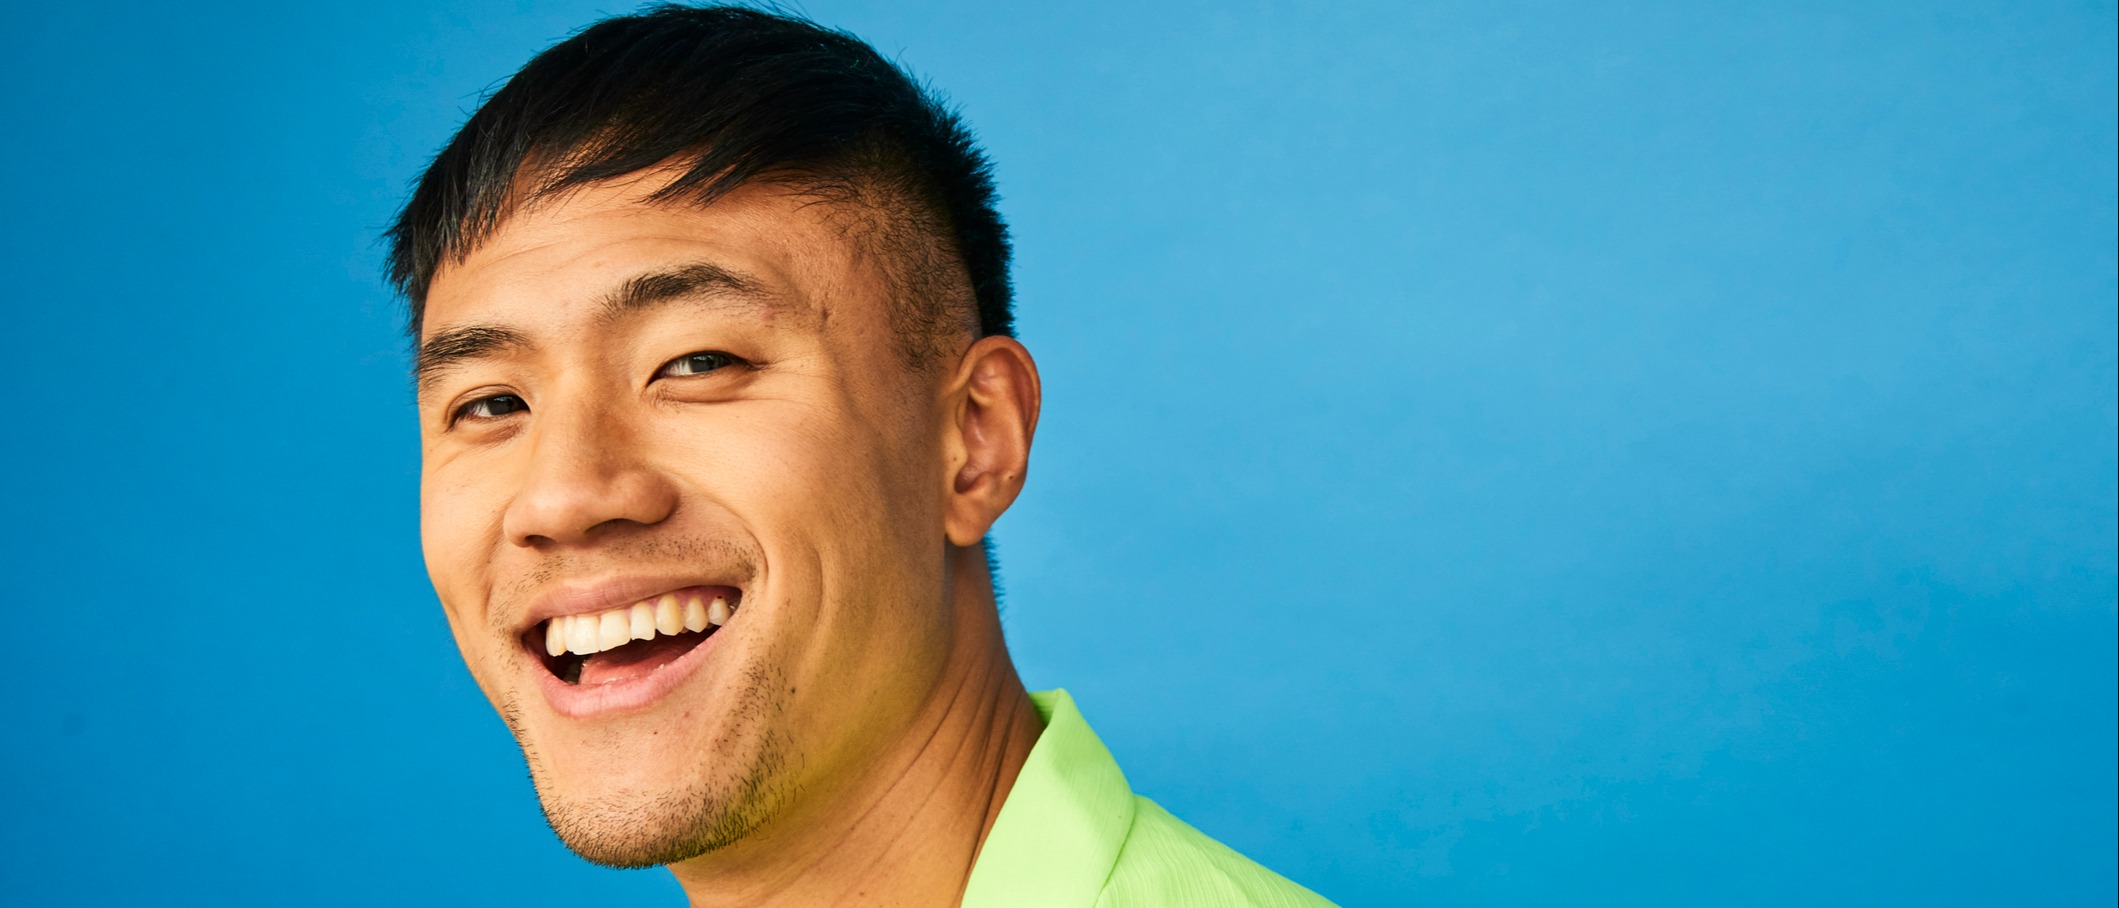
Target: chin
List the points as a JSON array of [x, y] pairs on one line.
[[643, 828], [637, 792]]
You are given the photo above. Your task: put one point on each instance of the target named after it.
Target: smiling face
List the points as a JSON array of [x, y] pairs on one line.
[[683, 499]]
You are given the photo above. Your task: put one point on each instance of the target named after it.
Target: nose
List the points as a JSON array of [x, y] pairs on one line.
[[588, 477]]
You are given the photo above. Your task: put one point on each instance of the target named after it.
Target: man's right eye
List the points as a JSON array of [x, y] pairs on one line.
[[490, 407]]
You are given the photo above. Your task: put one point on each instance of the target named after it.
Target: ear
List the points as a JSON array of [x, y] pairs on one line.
[[992, 403]]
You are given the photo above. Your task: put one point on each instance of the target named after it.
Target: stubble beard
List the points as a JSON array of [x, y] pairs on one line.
[[649, 828]]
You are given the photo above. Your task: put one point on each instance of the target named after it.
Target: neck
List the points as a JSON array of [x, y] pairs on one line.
[[908, 833]]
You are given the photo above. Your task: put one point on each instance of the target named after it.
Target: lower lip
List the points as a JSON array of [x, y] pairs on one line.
[[586, 701]]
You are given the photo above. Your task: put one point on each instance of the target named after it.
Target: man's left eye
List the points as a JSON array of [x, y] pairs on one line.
[[698, 363]]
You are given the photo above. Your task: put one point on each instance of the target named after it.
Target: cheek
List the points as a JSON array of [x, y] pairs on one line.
[[828, 498], [456, 538], [844, 484], [770, 459], [456, 527]]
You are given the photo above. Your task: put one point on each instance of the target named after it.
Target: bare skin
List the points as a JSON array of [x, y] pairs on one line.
[[619, 400]]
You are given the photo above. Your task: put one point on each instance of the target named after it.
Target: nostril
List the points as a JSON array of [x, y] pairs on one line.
[[576, 494]]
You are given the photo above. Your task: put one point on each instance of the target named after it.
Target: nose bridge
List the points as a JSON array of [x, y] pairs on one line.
[[586, 470]]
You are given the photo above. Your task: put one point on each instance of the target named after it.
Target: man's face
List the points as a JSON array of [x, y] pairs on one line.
[[627, 404]]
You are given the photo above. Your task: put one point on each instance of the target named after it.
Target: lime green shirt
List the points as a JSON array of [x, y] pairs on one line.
[[1072, 834]]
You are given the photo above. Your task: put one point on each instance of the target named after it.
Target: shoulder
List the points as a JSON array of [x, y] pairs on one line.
[[1168, 864]]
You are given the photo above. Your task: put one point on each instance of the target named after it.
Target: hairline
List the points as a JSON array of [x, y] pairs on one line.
[[884, 216]]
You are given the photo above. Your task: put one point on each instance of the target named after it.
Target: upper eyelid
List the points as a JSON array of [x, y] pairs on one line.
[[457, 411], [732, 358]]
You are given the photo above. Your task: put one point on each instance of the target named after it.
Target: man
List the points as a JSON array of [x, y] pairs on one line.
[[718, 399]]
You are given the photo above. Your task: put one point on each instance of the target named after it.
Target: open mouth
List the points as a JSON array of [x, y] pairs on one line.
[[631, 641]]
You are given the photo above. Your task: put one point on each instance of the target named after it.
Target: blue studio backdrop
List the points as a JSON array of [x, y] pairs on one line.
[[1629, 454]]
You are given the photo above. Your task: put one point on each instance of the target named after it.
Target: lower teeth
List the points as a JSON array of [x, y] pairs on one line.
[[568, 666]]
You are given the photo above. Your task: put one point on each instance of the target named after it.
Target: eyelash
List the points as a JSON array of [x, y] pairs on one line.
[[724, 360], [468, 410], [720, 361]]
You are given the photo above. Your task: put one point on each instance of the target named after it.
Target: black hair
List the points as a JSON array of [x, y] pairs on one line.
[[730, 95]]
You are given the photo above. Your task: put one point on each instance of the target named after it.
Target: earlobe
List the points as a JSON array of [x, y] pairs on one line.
[[994, 409]]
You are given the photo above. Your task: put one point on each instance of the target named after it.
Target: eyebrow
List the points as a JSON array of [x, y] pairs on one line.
[[454, 346], [698, 282]]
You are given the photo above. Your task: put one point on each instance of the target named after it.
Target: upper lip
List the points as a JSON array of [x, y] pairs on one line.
[[577, 598]]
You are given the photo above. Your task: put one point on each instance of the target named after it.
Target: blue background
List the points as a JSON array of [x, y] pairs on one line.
[[1632, 453]]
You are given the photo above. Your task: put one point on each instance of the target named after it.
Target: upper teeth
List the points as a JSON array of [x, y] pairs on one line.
[[670, 614]]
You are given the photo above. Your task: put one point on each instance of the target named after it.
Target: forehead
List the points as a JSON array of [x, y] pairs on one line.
[[563, 258]]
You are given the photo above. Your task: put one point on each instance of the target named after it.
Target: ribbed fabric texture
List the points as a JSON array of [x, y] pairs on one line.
[[1072, 834]]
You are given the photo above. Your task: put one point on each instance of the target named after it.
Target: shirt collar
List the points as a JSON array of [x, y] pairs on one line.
[[1060, 830]]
